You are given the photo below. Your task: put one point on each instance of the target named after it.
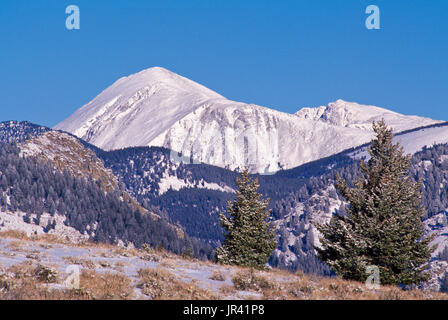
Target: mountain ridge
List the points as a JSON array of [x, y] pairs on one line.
[[157, 107], [355, 115]]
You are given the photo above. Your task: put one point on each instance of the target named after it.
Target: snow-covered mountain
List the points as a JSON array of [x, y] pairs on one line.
[[156, 107], [136, 109]]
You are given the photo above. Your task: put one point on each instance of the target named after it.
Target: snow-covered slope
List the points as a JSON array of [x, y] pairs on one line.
[[15, 221], [350, 114], [414, 141], [231, 134], [156, 107]]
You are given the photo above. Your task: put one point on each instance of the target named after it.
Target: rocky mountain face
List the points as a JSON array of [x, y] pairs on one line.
[[157, 107]]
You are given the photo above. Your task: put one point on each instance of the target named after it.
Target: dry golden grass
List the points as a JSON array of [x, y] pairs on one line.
[[15, 245], [119, 266], [33, 255], [105, 286], [14, 234], [126, 252], [44, 239], [86, 263], [29, 289], [252, 280], [168, 263], [30, 282], [312, 287], [23, 282], [22, 270], [48, 240], [217, 276], [159, 284], [227, 290], [26, 281]]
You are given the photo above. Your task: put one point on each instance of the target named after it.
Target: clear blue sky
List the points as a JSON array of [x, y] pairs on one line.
[[279, 54]]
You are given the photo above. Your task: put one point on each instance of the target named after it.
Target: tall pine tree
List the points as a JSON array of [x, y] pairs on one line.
[[383, 225], [249, 239]]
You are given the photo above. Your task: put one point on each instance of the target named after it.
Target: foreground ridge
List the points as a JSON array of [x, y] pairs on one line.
[[38, 268]]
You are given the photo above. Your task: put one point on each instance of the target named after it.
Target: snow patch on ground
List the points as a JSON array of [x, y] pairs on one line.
[[15, 221], [174, 183]]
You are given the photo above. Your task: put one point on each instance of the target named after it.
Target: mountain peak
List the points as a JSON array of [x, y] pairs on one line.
[[159, 77], [154, 96], [154, 73]]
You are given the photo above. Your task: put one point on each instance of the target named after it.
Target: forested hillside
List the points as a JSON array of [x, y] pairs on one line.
[[33, 188], [13, 131]]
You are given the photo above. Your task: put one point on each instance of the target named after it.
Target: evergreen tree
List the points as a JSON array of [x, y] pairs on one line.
[[249, 239], [383, 224]]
